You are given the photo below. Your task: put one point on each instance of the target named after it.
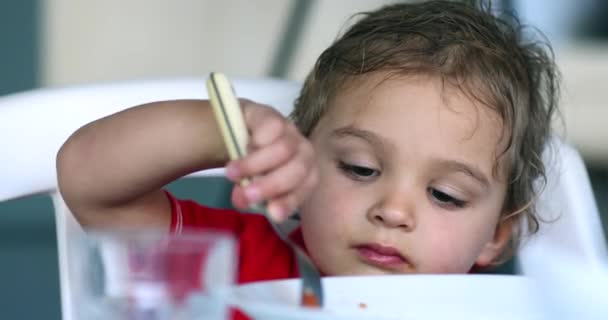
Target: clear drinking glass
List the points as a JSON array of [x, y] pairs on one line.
[[152, 275]]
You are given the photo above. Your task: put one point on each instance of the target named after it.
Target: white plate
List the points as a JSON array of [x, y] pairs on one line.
[[397, 297]]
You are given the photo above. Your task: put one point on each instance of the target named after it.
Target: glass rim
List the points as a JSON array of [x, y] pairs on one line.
[[139, 233]]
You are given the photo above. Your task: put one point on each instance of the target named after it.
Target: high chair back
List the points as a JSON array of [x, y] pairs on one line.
[[34, 125], [567, 206]]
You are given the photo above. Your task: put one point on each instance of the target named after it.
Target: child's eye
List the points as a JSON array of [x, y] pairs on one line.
[[445, 199], [358, 172]]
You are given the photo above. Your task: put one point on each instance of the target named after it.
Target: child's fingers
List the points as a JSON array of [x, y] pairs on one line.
[[282, 204], [264, 159], [281, 207], [283, 179], [280, 181], [239, 200], [265, 124]]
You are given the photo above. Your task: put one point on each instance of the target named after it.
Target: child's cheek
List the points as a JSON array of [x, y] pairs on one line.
[[445, 252]]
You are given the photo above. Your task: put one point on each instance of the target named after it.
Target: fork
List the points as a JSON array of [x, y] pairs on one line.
[[230, 119]]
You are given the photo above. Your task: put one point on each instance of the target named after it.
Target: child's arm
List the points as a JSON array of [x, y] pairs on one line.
[[111, 171]]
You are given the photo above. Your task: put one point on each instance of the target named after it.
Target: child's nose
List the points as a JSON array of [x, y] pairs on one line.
[[393, 214]]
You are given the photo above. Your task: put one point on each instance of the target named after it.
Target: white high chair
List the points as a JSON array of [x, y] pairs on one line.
[[567, 205], [33, 125]]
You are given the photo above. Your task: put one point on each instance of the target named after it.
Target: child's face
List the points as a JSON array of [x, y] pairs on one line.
[[406, 181]]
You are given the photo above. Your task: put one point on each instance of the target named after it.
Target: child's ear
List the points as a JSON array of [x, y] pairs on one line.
[[493, 248]]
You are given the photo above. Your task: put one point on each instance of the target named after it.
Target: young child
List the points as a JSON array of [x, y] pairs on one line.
[[414, 148]]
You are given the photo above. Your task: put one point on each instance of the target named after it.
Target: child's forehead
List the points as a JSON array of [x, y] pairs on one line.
[[382, 92], [408, 111]]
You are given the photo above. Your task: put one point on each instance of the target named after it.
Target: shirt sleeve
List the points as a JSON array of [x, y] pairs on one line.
[[262, 254], [187, 214]]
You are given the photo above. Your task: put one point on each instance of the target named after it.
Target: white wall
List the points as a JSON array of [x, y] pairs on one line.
[[584, 103], [91, 41], [327, 19], [111, 40]]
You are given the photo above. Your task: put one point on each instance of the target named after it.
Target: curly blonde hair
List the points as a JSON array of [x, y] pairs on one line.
[[486, 57]]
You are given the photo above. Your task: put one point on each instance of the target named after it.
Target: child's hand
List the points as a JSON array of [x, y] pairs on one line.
[[280, 160]]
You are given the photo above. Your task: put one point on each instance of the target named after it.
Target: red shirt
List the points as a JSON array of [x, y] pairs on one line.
[[262, 255]]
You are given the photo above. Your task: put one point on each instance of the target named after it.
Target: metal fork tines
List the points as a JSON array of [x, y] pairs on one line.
[[311, 278]]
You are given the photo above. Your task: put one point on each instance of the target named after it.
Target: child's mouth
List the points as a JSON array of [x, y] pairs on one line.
[[381, 256]]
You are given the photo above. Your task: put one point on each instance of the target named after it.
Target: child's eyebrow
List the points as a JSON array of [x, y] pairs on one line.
[[370, 137], [470, 170]]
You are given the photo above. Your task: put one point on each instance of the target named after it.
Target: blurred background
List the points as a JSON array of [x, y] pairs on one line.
[[56, 43]]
